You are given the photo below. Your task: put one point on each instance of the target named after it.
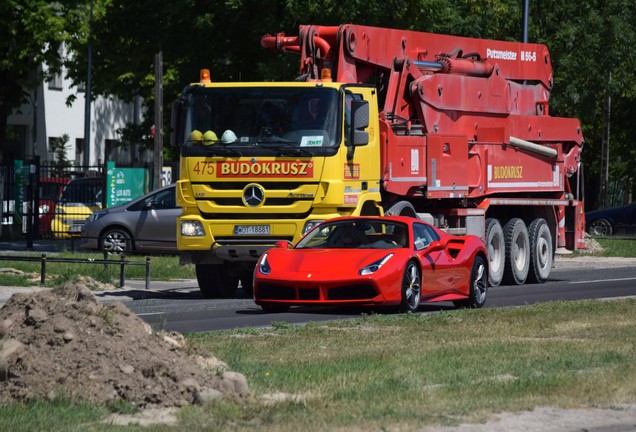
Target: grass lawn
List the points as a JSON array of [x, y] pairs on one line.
[[401, 372]]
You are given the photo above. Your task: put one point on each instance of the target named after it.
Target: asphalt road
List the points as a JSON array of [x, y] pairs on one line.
[[178, 306]]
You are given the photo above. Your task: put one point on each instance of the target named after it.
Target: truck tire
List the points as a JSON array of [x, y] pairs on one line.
[[401, 208], [496, 245], [541, 251], [215, 281], [517, 252]]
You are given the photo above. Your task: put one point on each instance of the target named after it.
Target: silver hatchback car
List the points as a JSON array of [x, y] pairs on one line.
[[147, 224]]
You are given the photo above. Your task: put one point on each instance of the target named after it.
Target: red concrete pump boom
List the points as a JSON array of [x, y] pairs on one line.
[[488, 90]]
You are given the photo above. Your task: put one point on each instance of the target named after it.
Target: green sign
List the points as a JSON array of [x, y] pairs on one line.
[[124, 184]]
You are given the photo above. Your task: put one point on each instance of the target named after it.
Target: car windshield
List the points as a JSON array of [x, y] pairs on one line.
[[244, 121], [50, 190], [82, 192], [357, 234]]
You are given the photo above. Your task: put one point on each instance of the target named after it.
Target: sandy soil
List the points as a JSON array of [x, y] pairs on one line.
[[64, 343]]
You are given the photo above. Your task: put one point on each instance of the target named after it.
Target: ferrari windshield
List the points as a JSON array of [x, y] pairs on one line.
[[359, 233], [239, 120]]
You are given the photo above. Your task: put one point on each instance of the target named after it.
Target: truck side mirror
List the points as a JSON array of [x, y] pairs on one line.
[[359, 122]]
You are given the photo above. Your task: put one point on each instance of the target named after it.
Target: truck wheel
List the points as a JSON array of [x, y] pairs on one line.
[[401, 208], [541, 251], [517, 252], [496, 246], [215, 281]]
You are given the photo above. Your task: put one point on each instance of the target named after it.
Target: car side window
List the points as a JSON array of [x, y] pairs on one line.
[[164, 200], [424, 235]]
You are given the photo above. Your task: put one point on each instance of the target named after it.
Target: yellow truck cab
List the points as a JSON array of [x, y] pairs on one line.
[[265, 162]]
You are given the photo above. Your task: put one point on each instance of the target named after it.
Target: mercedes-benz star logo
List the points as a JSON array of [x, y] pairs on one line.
[[253, 195]]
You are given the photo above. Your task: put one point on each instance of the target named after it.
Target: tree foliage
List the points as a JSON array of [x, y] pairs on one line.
[[31, 32], [588, 41]]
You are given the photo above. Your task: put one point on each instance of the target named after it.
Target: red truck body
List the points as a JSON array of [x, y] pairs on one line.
[[466, 135]]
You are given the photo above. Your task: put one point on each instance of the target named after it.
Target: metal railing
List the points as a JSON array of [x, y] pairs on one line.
[[121, 262]]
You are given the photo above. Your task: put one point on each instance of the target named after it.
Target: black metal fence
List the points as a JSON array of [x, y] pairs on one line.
[[48, 201], [122, 263]]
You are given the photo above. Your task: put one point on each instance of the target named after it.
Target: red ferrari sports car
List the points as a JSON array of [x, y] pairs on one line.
[[373, 261]]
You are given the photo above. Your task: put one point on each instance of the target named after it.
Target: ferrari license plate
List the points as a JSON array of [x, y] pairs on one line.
[[241, 230]]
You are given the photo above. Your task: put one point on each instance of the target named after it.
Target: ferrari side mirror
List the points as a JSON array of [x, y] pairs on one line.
[[436, 246], [283, 244]]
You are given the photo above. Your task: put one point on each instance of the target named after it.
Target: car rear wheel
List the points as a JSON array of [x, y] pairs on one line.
[[541, 251], [600, 227], [411, 288], [517, 252], [478, 288], [496, 245], [215, 281], [115, 241]]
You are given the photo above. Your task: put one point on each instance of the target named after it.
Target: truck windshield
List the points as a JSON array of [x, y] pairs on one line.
[[242, 121]]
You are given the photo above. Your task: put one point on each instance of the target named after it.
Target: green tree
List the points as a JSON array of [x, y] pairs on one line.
[[61, 163], [586, 41], [589, 42], [31, 32]]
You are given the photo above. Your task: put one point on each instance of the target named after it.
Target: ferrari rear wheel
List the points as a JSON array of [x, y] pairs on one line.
[[478, 285], [411, 288], [216, 281]]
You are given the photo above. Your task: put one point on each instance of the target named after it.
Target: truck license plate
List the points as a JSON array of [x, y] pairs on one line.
[[251, 230]]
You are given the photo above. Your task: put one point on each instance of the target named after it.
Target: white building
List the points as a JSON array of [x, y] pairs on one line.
[[31, 128]]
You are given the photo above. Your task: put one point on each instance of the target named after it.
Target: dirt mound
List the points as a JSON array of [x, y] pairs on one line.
[[64, 343]]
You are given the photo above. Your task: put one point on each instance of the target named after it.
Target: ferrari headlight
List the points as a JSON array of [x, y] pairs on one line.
[[192, 229], [263, 265], [375, 266]]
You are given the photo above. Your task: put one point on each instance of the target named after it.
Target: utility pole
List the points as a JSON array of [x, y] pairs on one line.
[[524, 21], [158, 152], [605, 144], [87, 95]]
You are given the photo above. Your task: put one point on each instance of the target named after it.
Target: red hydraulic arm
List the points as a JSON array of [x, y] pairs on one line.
[[487, 90]]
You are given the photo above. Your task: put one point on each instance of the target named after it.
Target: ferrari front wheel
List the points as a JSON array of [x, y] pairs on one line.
[[411, 288], [478, 288]]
